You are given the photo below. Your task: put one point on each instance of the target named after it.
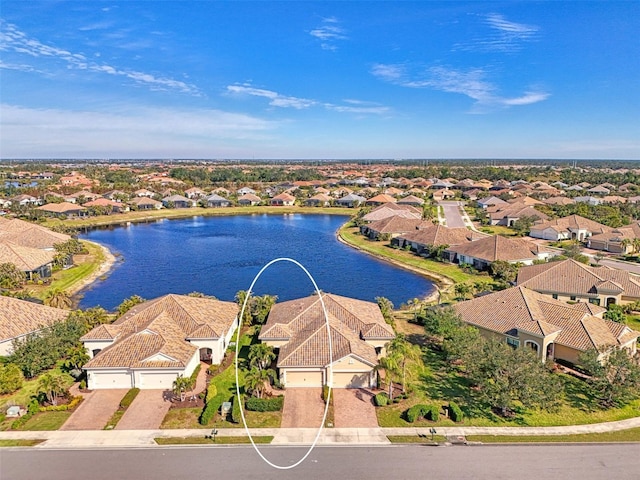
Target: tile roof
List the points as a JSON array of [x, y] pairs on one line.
[[302, 323], [569, 277], [63, 207], [572, 222], [19, 317], [524, 309], [391, 210], [161, 328], [29, 234], [497, 247], [27, 259], [396, 224], [441, 235]]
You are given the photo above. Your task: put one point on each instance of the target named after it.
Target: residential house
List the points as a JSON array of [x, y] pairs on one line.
[[24, 200], [573, 281], [509, 214], [559, 201], [145, 203], [284, 199], [178, 201], [483, 252], [599, 190], [194, 193], [524, 318], [487, 202], [573, 227], [64, 208], [350, 201], [245, 190], [116, 195], [81, 196], [297, 329], [443, 194], [157, 341], [29, 234], [393, 226], [143, 192], [411, 200], [19, 318], [434, 235], [589, 200], [319, 200], [380, 200], [392, 210], [619, 240], [34, 262], [216, 201], [249, 199], [109, 205]]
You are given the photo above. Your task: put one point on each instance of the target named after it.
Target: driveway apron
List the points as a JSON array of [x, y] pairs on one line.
[[353, 408], [303, 408], [95, 410], [147, 411]]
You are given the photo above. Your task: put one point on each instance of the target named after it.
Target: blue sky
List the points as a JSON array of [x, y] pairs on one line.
[[319, 80]]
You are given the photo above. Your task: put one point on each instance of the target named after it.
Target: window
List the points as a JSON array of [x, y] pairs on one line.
[[595, 301], [532, 345], [513, 342], [572, 298], [555, 296]]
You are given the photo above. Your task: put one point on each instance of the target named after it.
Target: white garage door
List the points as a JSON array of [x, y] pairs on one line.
[[111, 380], [350, 380], [304, 379], [157, 380]]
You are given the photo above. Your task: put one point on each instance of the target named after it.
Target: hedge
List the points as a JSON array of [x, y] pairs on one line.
[[196, 371], [430, 412], [271, 404], [455, 412], [129, 397], [381, 399], [61, 408], [325, 394], [236, 416], [208, 412], [212, 392]]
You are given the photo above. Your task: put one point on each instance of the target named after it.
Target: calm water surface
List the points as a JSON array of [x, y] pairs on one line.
[[221, 255]]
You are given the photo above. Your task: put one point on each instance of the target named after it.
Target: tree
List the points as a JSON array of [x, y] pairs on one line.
[[33, 354], [615, 378], [256, 380], [91, 317], [11, 378], [522, 226], [463, 290], [615, 313], [128, 303], [506, 377], [241, 296], [504, 271], [76, 357], [11, 276], [57, 298], [391, 364], [440, 321], [386, 308], [573, 250], [260, 308], [437, 251], [52, 385], [181, 385], [405, 354], [260, 356]]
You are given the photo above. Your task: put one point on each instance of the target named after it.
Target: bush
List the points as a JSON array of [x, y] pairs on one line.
[[272, 404], [212, 392], [213, 369], [432, 413], [129, 397], [455, 412], [416, 412], [11, 378], [236, 416], [325, 394], [62, 408], [83, 385], [208, 412], [381, 399], [196, 371]]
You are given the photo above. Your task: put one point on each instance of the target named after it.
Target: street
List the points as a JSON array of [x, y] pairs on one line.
[[521, 462]]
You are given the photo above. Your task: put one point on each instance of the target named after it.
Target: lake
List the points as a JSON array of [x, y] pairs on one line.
[[221, 255]]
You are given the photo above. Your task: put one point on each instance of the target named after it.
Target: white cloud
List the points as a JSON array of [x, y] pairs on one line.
[[12, 39], [129, 131], [504, 36], [284, 101], [471, 83], [329, 32]]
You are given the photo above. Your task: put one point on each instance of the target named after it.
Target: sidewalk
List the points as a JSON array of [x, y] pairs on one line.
[[295, 436]]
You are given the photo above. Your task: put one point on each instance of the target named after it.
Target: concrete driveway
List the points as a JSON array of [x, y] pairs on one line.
[[353, 407], [147, 411], [303, 408], [95, 410]]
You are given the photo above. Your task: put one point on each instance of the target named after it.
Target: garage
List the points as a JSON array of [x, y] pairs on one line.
[[351, 379], [120, 379], [157, 380], [303, 378]]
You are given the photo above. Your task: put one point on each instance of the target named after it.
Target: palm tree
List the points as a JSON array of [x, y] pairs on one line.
[[261, 355], [462, 290], [625, 244], [52, 386], [57, 298], [391, 366], [256, 380], [636, 245], [180, 386], [404, 354]]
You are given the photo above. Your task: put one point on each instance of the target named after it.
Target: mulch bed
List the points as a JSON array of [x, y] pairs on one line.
[[188, 403]]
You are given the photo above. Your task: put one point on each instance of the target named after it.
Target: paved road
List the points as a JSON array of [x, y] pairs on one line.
[[584, 462], [452, 214]]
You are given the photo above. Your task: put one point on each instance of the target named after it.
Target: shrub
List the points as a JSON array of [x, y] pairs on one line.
[[455, 412], [432, 413], [196, 371], [236, 416], [11, 378], [325, 394], [213, 369], [62, 408], [416, 412], [129, 397], [208, 412], [212, 392], [272, 404], [83, 385], [381, 399]]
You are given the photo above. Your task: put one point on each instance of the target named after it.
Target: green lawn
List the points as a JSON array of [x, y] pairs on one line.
[[416, 439], [20, 443], [441, 382], [46, 421], [498, 230], [633, 321], [630, 435], [225, 383], [209, 441], [427, 267]]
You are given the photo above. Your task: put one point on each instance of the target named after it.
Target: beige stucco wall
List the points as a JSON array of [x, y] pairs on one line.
[[351, 364], [565, 353]]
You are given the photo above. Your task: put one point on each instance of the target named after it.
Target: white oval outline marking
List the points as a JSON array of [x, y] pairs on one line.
[[326, 319]]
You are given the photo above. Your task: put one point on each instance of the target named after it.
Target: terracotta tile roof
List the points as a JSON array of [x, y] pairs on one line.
[[302, 323], [19, 317], [159, 329], [396, 224], [517, 211], [391, 210], [63, 207], [27, 259], [572, 222], [569, 277], [521, 308], [411, 200], [382, 198], [497, 247], [29, 234], [441, 235]]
